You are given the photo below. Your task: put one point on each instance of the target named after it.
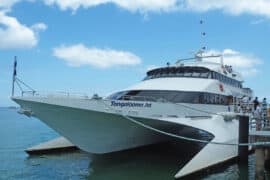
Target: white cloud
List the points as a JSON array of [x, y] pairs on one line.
[[14, 35], [7, 4], [39, 27], [79, 55], [257, 21], [131, 5], [247, 64], [234, 7]]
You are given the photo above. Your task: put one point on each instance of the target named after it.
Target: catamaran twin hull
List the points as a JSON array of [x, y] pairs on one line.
[[103, 126], [98, 126]]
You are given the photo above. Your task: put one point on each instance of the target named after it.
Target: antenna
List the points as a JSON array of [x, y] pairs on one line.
[[203, 35], [199, 55], [14, 74]]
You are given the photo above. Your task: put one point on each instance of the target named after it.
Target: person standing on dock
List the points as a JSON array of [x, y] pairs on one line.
[[250, 105], [258, 117], [264, 111]]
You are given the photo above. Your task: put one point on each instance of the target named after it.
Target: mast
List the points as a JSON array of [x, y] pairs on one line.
[[203, 36], [14, 75], [199, 55]]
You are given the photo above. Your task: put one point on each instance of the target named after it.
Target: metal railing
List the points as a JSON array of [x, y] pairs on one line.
[[259, 124], [55, 94], [32, 92]]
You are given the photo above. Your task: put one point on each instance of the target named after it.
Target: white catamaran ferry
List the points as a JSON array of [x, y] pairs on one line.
[[185, 99]]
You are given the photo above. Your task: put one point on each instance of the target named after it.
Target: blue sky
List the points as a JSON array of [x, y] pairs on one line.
[[105, 45]]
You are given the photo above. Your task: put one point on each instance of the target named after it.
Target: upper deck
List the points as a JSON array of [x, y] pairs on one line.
[[202, 70], [199, 74]]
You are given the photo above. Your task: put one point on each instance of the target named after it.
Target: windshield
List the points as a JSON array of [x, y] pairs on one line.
[[197, 72], [171, 96]]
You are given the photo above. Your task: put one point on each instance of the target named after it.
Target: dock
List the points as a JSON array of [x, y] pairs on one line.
[[262, 151], [57, 145]]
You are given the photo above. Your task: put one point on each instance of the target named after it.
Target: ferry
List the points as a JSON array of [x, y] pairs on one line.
[[185, 100]]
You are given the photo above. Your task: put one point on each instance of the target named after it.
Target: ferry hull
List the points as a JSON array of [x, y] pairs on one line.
[[93, 127], [93, 131]]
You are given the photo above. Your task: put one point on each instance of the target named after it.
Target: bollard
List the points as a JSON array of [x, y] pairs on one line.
[[243, 138]]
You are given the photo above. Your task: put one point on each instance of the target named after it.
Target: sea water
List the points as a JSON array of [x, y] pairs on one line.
[[155, 162]]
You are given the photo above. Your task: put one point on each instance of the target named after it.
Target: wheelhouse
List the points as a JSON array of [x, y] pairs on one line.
[[192, 72]]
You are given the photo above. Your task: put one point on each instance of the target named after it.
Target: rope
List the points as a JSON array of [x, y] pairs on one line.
[[183, 137], [19, 86], [25, 84]]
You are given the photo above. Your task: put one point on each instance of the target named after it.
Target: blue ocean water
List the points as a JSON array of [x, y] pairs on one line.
[[157, 162]]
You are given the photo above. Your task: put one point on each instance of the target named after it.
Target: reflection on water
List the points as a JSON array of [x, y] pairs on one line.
[[152, 162], [159, 162], [156, 162], [58, 166]]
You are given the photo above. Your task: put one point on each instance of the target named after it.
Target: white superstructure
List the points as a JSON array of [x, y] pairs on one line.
[[183, 99]]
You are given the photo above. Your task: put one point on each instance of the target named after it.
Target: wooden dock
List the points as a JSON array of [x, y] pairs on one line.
[[57, 145], [262, 151]]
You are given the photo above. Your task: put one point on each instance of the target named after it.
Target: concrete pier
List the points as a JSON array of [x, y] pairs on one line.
[[53, 146]]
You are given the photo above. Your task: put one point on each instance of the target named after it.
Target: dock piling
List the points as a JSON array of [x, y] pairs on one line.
[[243, 138], [259, 153], [267, 159]]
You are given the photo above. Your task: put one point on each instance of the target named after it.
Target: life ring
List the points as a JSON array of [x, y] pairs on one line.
[[221, 88]]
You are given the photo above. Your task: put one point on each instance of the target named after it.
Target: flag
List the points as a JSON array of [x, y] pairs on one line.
[[15, 67]]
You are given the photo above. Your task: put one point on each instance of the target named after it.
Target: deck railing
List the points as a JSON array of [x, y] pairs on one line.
[[55, 94]]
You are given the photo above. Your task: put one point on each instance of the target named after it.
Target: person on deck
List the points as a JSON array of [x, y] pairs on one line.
[[244, 104], [255, 103]]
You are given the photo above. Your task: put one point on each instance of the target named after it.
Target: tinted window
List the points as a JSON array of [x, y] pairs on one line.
[[187, 71], [171, 96], [190, 71]]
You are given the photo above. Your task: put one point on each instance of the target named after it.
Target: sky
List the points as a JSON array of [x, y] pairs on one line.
[[102, 46]]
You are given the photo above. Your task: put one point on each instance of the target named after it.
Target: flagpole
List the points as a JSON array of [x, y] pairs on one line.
[[14, 74]]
